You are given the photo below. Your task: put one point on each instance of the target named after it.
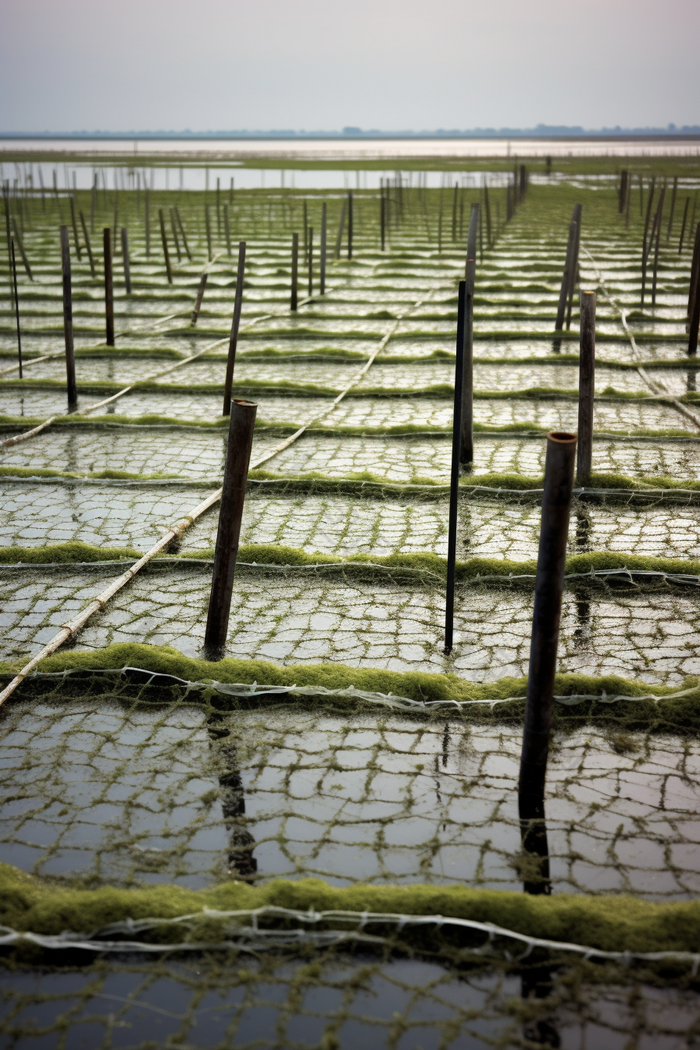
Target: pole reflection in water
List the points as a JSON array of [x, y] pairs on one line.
[[583, 530], [241, 862], [537, 983], [692, 380]]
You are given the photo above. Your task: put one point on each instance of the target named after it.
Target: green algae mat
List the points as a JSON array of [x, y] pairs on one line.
[[314, 842]]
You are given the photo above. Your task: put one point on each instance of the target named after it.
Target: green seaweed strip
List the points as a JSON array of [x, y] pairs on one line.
[[610, 923]]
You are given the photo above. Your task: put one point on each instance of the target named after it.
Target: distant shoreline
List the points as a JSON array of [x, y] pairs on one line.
[[652, 135]]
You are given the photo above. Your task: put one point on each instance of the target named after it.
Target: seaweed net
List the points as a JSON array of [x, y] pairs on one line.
[[128, 778]]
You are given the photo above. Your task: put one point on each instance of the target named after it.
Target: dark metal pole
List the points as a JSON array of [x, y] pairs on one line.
[[227, 230], [573, 269], [164, 240], [556, 501], [109, 292], [466, 449], [454, 477], [382, 214], [586, 388], [324, 234], [188, 253], [200, 296], [71, 386], [350, 229], [694, 268], [88, 246], [16, 298], [235, 324], [656, 246], [694, 300], [147, 221], [564, 290], [240, 442], [75, 227], [208, 230], [295, 270], [311, 261], [126, 260], [645, 250], [683, 224]]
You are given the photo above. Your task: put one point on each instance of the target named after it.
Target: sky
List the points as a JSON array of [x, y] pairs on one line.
[[321, 64]]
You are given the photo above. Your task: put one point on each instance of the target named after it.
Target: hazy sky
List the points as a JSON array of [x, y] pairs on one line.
[[322, 64]]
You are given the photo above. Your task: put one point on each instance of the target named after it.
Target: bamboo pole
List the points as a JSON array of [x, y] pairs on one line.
[[164, 240], [200, 296], [586, 388], [71, 386], [573, 271], [16, 299], [454, 476], [240, 443], [109, 290], [235, 325], [565, 280], [549, 584]]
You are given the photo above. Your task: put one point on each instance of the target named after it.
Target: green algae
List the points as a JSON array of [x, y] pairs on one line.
[[609, 923]]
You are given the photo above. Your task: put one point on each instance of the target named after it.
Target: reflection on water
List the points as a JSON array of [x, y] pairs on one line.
[[242, 864]]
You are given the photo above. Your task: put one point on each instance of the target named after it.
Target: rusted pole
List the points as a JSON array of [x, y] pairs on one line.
[[683, 223], [454, 477], [74, 224], [295, 269], [200, 296], [466, 448], [549, 584], [88, 246], [164, 240], [235, 325], [311, 261], [71, 386], [109, 292], [322, 275], [16, 298], [240, 442], [350, 225], [20, 245], [126, 260], [586, 388]]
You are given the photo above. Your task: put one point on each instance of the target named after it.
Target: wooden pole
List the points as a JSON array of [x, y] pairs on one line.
[[466, 449], [674, 190], [227, 230], [240, 443], [20, 245], [109, 292], [586, 388], [16, 298], [350, 224], [341, 224], [694, 268], [126, 260], [235, 324], [549, 584], [295, 268], [311, 261], [382, 215], [115, 233], [164, 239], [147, 221], [565, 280], [200, 296], [683, 224], [660, 213], [74, 224], [454, 476], [207, 224], [645, 250], [88, 246], [323, 249], [176, 239], [71, 386], [188, 253], [218, 206], [695, 317], [573, 271]]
